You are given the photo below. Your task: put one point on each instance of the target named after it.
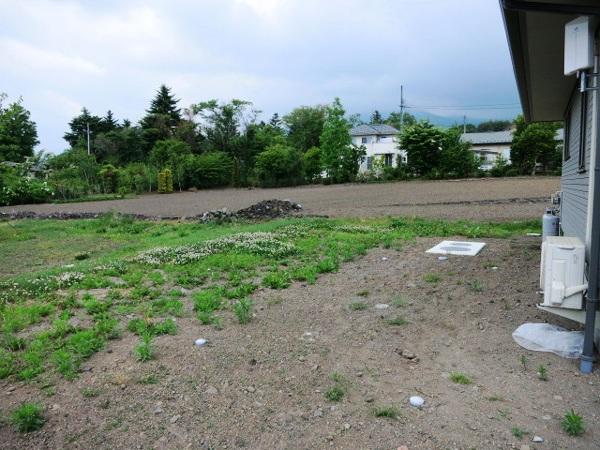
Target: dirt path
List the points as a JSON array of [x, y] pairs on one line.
[[261, 386], [485, 199]]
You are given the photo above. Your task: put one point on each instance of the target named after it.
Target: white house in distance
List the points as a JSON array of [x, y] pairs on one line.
[[380, 141], [491, 144]]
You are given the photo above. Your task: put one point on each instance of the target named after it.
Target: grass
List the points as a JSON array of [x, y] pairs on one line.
[[399, 301], [518, 432], [572, 423], [334, 394], [388, 412], [243, 310], [460, 378], [144, 351], [89, 392], [397, 321], [542, 372], [358, 306], [47, 267], [431, 278], [28, 417], [523, 361], [475, 286]]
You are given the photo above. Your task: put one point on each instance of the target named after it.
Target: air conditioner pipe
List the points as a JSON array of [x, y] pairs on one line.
[[591, 305]]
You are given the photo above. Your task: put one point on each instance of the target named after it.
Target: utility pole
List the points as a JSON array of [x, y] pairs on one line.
[[401, 107], [465, 124], [88, 137]]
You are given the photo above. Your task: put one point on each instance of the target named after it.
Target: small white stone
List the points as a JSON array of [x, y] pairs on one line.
[[384, 258], [200, 342], [442, 258], [537, 439], [417, 401], [382, 306]]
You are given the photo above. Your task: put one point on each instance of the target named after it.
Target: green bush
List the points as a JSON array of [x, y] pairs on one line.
[[311, 162], [17, 188], [28, 417], [211, 170], [279, 165]]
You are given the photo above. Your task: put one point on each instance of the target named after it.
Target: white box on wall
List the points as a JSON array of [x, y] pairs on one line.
[[579, 44]]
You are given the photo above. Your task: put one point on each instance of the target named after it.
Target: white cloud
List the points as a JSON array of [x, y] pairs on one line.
[[23, 57]]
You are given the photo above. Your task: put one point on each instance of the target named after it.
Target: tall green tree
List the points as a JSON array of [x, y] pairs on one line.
[[77, 134], [395, 119], [340, 159], [305, 126], [457, 159], [533, 144], [494, 125], [161, 119], [423, 144], [18, 133], [376, 118]]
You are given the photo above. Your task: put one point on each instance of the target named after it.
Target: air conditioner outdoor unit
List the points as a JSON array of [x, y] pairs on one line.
[[562, 272]]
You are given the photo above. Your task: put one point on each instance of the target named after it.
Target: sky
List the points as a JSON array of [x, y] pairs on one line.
[[59, 56]]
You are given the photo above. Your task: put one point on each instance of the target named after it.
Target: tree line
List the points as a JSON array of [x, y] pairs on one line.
[[214, 144]]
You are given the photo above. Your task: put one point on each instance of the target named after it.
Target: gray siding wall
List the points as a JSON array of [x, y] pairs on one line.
[[574, 182]]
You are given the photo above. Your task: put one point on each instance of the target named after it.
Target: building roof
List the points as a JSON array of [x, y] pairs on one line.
[[373, 130], [498, 137], [535, 32]]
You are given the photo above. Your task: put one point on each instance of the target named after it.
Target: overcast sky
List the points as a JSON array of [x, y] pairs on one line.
[[63, 55]]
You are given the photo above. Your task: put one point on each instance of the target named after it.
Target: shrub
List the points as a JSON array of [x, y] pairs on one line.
[[279, 165], [572, 424], [311, 162], [243, 310], [165, 181], [211, 170]]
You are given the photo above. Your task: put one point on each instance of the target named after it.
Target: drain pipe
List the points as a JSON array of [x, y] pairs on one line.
[[591, 304]]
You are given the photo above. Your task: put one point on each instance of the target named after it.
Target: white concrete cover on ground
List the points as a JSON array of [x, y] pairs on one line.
[[458, 248]]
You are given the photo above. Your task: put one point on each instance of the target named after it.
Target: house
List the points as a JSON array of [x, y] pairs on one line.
[[380, 142], [489, 145], [555, 62]]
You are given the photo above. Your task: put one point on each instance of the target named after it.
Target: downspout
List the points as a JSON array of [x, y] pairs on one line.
[[591, 304]]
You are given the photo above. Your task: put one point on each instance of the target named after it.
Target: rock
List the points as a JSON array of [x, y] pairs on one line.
[[417, 401], [382, 306], [200, 342], [318, 412], [251, 389], [537, 439], [347, 426], [557, 397], [158, 410], [370, 399], [408, 354], [384, 258], [175, 418], [211, 390], [546, 417]]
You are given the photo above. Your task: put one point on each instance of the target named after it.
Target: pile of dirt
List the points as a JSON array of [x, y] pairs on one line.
[[269, 209], [266, 209]]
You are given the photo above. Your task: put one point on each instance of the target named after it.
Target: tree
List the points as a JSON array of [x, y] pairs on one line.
[[457, 158], [279, 165], [354, 120], [305, 126], [376, 118], [533, 144], [494, 125], [18, 133], [397, 120], [77, 134], [423, 144], [212, 169], [312, 164], [161, 119], [340, 158]]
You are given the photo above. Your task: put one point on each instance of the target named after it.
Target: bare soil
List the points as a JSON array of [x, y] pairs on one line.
[[483, 199], [262, 385]]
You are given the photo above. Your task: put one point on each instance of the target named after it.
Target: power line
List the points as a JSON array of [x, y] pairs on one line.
[[467, 107]]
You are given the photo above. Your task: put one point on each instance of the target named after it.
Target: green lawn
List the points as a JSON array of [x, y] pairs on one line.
[[47, 269]]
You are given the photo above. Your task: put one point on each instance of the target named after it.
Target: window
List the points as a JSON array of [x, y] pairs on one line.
[[363, 140], [369, 163], [389, 159]]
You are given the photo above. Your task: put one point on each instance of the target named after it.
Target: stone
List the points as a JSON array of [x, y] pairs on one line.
[[347, 426], [408, 354], [158, 410], [211, 390], [318, 412], [251, 389], [382, 306], [537, 439], [175, 418], [557, 397]]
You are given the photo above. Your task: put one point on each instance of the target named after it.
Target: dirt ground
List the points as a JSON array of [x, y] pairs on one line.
[[261, 386], [483, 199]]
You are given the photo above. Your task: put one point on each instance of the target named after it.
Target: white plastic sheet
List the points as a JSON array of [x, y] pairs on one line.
[[543, 337]]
